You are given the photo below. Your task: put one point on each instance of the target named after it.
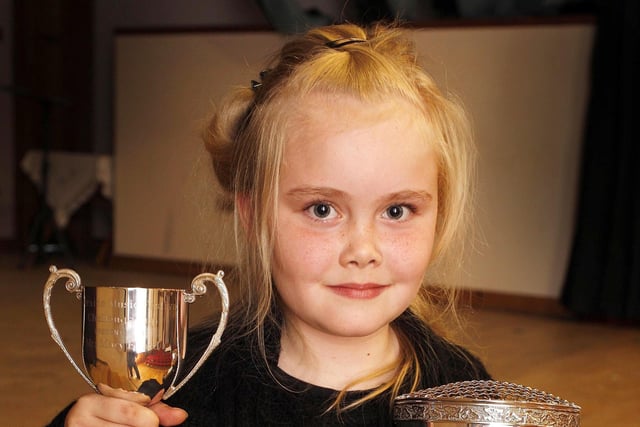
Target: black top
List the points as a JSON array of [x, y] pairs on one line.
[[235, 387]]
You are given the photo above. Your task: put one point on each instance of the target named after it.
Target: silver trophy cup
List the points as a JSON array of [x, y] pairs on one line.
[[135, 338]]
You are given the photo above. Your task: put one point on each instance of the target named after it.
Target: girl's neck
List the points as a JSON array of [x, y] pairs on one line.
[[336, 362]]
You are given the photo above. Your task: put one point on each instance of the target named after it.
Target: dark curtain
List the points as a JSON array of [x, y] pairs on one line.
[[603, 279]]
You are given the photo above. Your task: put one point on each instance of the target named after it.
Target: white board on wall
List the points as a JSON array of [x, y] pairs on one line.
[[165, 193], [525, 88]]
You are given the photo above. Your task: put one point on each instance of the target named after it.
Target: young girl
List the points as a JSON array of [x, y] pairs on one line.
[[349, 171]]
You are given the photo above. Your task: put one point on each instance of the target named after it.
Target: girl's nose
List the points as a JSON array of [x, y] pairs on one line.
[[361, 247]]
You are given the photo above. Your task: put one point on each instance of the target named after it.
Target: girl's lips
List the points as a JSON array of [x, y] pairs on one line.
[[358, 291]]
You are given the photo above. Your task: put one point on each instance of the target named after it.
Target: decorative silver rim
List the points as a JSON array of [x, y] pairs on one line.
[[487, 402]]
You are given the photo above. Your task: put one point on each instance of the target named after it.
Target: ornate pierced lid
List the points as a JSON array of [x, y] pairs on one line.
[[481, 403]]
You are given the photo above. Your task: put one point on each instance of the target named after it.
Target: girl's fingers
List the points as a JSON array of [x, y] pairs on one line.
[[95, 409], [168, 415], [131, 396]]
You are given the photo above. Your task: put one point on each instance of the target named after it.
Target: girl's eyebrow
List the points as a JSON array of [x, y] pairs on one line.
[[417, 195], [318, 192], [332, 193]]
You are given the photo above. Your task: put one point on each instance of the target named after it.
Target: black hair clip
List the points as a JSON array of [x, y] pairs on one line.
[[256, 84], [334, 44]]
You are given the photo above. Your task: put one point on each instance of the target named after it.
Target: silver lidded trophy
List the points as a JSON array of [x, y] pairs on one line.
[[484, 404], [135, 338]]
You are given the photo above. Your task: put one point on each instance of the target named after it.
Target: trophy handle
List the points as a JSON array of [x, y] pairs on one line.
[[199, 287], [73, 285]]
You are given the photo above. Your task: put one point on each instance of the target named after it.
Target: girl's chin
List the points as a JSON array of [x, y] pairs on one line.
[[352, 329]]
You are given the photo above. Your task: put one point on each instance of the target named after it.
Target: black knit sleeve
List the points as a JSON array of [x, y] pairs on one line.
[[441, 362], [59, 419]]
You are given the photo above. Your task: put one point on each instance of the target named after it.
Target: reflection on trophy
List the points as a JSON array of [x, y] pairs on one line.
[[135, 338], [484, 404]]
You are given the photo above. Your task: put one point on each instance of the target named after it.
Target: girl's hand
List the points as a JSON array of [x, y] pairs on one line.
[[121, 408]]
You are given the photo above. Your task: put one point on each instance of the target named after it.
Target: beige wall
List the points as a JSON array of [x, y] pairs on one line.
[[525, 88], [165, 200]]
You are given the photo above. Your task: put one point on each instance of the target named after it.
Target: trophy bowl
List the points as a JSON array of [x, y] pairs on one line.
[[135, 338], [484, 404]]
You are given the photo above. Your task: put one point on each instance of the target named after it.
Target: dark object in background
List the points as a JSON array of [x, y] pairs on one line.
[[603, 277], [288, 17]]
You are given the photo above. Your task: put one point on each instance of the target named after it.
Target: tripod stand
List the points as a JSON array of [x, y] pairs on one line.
[[44, 235]]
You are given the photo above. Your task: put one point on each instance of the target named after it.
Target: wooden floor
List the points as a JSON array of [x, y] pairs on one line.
[[594, 365]]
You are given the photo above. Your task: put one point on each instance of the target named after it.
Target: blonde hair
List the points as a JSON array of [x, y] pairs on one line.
[[247, 134]]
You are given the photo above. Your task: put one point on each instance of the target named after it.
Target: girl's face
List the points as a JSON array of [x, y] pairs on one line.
[[356, 215]]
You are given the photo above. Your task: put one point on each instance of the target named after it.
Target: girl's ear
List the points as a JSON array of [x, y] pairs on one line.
[[243, 205]]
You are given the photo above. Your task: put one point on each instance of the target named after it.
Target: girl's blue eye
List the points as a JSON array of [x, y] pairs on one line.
[[321, 210], [396, 212]]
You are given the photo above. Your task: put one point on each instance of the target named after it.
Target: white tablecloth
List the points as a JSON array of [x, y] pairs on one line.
[[73, 178]]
